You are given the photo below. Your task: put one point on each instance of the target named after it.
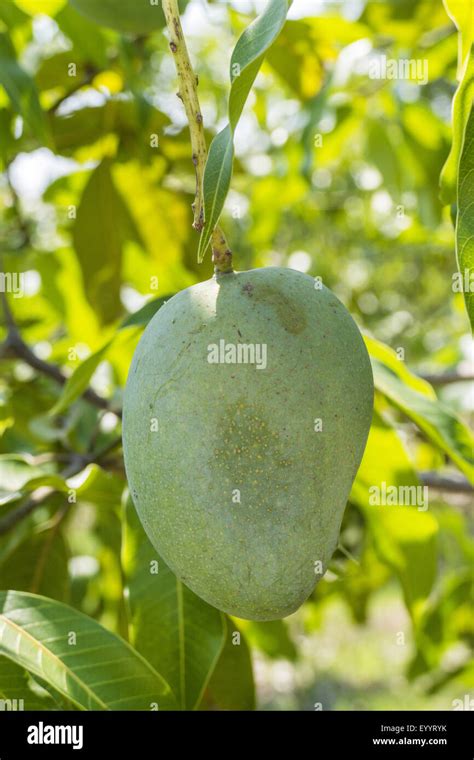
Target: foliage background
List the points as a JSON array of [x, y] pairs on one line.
[[336, 174]]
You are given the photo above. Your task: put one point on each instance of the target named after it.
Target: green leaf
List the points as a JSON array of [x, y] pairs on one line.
[[271, 637], [53, 72], [217, 177], [381, 150], [461, 12], [79, 380], [12, 16], [245, 63], [447, 620], [77, 383], [415, 398], [101, 228], [51, 481], [128, 16], [39, 564], [295, 57], [96, 485], [465, 216], [462, 104], [181, 635], [162, 220], [15, 471], [98, 672], [22, 91], [132, 120], [404, 536], [16, 691], [87, 37], [141, 317], [232, 686], [48, 7], [439, 424]]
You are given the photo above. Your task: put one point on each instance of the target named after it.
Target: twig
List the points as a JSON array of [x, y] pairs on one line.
[[221, 253], [39, 495], [347, 553], [15, 345], [36, 498], [188, 95], [22, 222], [453, 484], [89, 74], [188, 84], [107, 449], [447, 378]]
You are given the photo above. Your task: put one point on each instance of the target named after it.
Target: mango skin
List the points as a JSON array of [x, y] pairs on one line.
[[223, 427], [132, 16]]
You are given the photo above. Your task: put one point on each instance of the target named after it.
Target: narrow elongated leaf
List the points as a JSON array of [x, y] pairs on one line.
[[438, 423], [53, 72], [181, 635], [129, 120], [20, 691], [16, 692], [465, 217], [461, 12], [217, 177], [447, 620], [462, 104], [129, 16], [21, 90], [271, 637], [98, 486], [404, 534], [232, 686], [102, 226], [85, 35], [387, 356], [383, 153], [245, 63], [295, 57], [141, 317], [15, 471], [39, 565], [89, 665], [417, 399], [79, 380]]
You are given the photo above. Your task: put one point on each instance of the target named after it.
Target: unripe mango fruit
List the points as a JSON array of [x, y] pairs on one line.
[[246, 414], [133, 16]]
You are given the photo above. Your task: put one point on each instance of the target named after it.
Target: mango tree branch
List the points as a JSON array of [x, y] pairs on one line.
[[448, 378], [14, 345], [188, 83], [453, 484], [76, 464]]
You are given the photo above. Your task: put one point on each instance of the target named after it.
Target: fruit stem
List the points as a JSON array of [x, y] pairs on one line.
[[188, 84]]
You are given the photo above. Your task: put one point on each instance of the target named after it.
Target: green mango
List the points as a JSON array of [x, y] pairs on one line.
[[133, 16], [240, 460]]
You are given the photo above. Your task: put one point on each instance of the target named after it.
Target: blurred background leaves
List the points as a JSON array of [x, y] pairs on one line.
[[336, 174]]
